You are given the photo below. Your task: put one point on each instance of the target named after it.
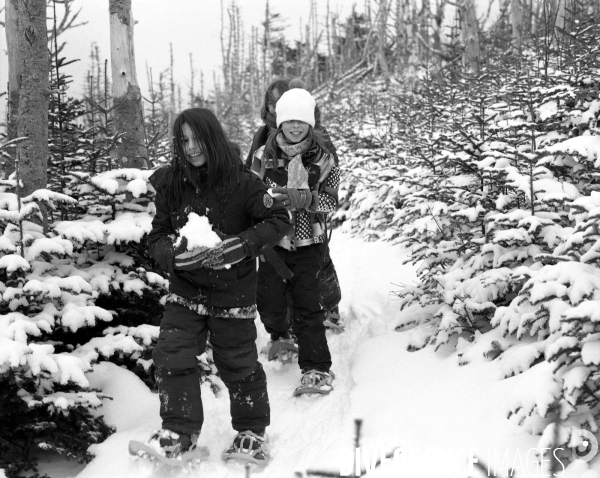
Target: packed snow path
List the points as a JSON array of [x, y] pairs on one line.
[[423, 402]]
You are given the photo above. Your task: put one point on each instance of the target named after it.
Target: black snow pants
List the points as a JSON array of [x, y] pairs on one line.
[[308, 316], [182, 337], [331, 294]]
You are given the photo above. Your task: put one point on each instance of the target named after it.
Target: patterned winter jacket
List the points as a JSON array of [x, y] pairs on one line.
[[249, 213], [323, 181]]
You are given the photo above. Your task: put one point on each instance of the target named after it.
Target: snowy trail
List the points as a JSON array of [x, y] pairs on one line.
[[420, 401], [317, 432], [305, 432]]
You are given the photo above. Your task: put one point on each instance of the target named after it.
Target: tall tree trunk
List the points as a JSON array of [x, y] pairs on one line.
[[127, 100], [382, 37], [470, 33], [558, 16], [12, 38], [29, 89], [516, 20]]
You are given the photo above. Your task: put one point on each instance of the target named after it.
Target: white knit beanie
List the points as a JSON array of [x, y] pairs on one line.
[[296, 104]]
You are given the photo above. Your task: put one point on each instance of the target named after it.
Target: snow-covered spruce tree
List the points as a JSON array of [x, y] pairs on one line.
[[159, 152], [493, 150], [110, 241], [65, 137], [443, 217], [52, 327], [99, 137], [371, 158], [558, 302], [111, 244], [511, 165], [45, 399]]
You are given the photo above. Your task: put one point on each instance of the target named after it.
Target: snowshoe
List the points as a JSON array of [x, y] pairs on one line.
[[247, 447], [170, 448], [315, 381], [333, 321], [283, 350]]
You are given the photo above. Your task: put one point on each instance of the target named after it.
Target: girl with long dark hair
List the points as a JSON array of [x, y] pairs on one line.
[[211, 289]]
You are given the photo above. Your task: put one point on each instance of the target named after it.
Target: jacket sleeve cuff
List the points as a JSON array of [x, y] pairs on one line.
[[251, 243]]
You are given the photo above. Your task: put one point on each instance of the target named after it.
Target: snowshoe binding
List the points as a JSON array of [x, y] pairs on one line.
[[169, 448], [248, 447], [283, 350], [333, 321], [315, 381]]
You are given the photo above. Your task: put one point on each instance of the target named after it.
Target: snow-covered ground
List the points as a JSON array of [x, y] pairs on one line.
[[437, 416]]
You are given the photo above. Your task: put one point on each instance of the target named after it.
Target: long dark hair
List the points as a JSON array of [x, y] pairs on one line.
[[222, 161], [314, 135]]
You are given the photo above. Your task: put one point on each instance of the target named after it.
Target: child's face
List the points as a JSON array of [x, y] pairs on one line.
[[193, 149], [294, 130]]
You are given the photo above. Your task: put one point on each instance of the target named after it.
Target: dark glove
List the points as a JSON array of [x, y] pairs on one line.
[[188, 260], [294, 199], [232, 250]]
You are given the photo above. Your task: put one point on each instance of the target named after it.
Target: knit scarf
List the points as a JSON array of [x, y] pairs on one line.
[[297, 175]]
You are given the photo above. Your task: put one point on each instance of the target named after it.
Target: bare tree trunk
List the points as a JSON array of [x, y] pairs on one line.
[[383, 16], [284, 56], [438, 25], [423, 31], [29, 88], [225, 51], [192, 81], [127, 99], [314, 61], [171, 114], [12, 39], [557, 17], [470, 33], [412, 45], [516, 20], [267, 57], [559, 13]]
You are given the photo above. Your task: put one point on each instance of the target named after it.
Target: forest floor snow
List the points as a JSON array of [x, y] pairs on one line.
[[436, 416]]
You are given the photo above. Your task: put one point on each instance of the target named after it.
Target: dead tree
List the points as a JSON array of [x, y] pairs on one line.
[[29, 89], [470, 33], [382, 38], [127, 99], [516, 20]]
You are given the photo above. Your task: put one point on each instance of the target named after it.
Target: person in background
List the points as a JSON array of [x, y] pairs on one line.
[[330, 287], [210, 289], [303, 175]]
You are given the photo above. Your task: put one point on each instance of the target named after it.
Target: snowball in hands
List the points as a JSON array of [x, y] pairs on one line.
[[199, 240], [198, 233]]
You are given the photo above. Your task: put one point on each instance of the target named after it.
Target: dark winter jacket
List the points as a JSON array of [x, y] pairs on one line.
[[249, 213], [262, 134]]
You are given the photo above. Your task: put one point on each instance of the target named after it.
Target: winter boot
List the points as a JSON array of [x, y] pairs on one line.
[[315, 381], [249, 447], [173, 444]]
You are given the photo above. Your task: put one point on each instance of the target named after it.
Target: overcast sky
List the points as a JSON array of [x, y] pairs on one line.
[[192, 26]]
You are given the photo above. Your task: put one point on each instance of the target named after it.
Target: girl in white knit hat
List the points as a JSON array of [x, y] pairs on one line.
[[331, 293], [305, 179]]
